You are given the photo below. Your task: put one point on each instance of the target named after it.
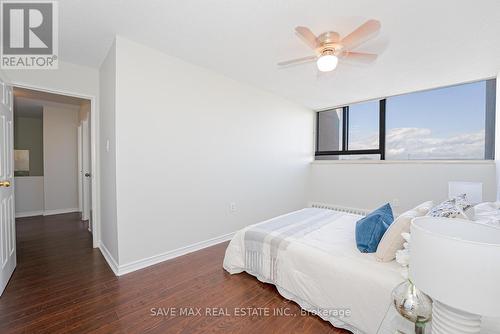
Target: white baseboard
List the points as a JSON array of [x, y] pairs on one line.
[[45, 212], [29, 214], [59, 211], [109, 258], [140, 264]]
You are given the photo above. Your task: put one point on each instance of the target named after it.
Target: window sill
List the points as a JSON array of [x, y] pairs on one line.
[[404, 162]]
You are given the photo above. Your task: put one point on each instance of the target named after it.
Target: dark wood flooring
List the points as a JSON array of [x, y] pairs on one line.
[[62, 285]]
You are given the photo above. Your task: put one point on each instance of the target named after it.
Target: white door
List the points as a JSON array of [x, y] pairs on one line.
[[86, 167], [7, 217]]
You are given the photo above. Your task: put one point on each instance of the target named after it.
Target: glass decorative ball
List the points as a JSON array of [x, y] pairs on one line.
[[412, 304]]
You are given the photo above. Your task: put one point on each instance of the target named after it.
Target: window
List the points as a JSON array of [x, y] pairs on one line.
[[351, 132], [445, 123], [454, 123]]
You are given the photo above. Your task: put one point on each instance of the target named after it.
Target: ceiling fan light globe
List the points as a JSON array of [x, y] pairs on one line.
[[327, 63]]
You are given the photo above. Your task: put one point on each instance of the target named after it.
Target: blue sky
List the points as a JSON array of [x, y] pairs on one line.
[[441, 123], [363, 119], [447, 111]]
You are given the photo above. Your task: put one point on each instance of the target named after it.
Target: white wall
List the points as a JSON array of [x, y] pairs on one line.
[[60, 155], [190, 142], [29, 195], [109, 228], [68, 78], [368, 185]]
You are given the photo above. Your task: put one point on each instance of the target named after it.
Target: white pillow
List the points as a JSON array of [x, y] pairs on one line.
[[424, 208], [392, 241], [486, 207], [487, 213]]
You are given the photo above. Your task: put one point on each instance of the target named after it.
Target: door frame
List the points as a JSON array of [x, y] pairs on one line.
[[94, 152], [80, 181]]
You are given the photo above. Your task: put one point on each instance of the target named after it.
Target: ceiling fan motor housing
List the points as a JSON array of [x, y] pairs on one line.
[[329, 44]]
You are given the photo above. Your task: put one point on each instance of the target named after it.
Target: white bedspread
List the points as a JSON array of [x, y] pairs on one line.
[[324, 270]]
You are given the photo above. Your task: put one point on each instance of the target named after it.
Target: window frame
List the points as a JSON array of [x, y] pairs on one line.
[[345, 135]]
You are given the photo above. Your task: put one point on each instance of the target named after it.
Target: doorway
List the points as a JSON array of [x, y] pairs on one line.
[[52, 154], [84, 134]]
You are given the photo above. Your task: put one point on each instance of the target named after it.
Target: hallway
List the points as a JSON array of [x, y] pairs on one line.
[[59, 280], [62, 285]]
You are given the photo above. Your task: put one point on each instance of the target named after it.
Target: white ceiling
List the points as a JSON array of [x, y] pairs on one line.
[[245, 39]]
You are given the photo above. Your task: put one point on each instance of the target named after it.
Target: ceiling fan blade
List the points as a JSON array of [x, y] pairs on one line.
[[359, 57], [361, 34], [307, 35], [297, 61]]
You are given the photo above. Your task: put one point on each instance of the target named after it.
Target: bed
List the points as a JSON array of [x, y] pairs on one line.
[[311, 257]]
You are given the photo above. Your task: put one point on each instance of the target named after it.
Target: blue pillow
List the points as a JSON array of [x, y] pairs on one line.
[[371, 229]]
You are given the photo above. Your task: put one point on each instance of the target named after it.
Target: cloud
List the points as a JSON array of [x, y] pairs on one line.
[[420, 143]]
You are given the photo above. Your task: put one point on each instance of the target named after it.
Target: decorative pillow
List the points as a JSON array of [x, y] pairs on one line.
[[452, 208], [370, 229], [467, 208], [392, 241]]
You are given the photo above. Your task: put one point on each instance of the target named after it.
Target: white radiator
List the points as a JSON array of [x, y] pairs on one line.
[[339, 208]]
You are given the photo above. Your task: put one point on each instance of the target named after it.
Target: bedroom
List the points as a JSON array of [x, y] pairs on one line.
[[199, 133]]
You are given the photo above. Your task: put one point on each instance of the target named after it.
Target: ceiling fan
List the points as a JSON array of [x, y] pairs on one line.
[[329, 47]]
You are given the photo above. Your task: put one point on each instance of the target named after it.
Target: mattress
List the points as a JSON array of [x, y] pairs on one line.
[[323, 271]]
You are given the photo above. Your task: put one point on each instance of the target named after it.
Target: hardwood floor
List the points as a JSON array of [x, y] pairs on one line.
[[62, 285]]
